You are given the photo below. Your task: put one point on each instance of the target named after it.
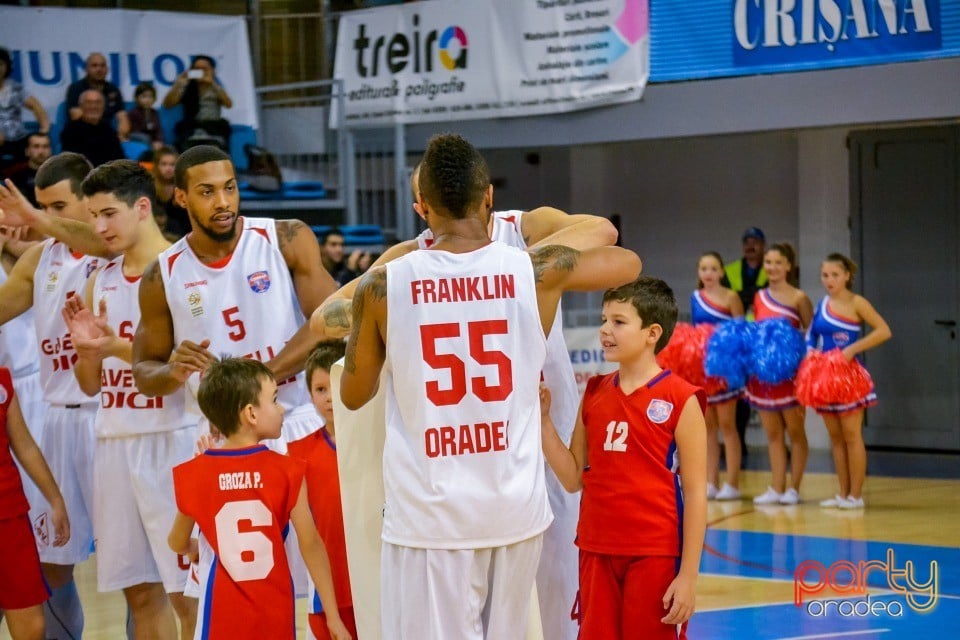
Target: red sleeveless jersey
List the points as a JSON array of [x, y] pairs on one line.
[[241, 499], [12, 501], [632, 503]]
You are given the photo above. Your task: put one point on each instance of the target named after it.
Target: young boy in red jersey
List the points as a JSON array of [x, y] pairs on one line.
[[243, 496], [319, 451], [640, 536], [22, 587]]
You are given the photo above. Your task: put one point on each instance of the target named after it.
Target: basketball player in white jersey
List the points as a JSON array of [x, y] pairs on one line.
[[43, 278], [460, 332], [234, 285], [139, 438], [557, 576]]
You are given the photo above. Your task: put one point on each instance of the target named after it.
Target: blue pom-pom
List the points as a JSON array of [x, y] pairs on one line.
[[777, 351], [729, 352]]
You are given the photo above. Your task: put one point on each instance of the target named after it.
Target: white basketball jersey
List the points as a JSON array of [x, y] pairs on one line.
[[557, 370], [59, 273], [18, 343], [124, 411], [245, 305], [462, 463]]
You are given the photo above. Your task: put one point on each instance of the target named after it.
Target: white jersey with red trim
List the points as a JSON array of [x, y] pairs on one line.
[[245, 304], [462, 465], [18, 343], [59, 273], [124, 411]]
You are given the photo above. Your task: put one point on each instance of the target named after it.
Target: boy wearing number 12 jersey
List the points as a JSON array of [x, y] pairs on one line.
[[244, 497], [640, 430]]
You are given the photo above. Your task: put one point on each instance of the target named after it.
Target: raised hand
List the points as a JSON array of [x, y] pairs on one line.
[[15, 209], [92, 336]]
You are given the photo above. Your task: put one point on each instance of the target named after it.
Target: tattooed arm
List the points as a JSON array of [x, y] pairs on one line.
[[332, 318], [545, 226], [366, 348], [312, 283], [557, 269]]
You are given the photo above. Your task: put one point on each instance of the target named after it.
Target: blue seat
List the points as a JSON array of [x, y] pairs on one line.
[[133, 149], [298, 190]]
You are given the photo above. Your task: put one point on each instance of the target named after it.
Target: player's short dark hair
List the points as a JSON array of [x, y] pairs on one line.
[[453, 174], [227, 386], [63, 166], [654, 301], [200, 154], [323, 356], [125, 179]]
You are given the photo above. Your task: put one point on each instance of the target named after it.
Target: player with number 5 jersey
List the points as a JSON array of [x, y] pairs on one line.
[[459, 330]]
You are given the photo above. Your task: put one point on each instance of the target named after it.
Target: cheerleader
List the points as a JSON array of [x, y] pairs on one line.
[[712, 303], [776, 403], [836, 325]]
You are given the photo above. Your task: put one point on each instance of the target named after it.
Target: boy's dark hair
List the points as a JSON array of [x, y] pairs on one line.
[[654, 301], [453, 174], [125, 179], [227, 387], [200, 154], [323, 356], [63, 166], [143, 88]]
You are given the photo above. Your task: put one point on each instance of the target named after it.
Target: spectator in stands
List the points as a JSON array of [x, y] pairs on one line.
[[24, 173], [354, 266], [144, 119], [96, 78], [203, 99], [91, 135], [13, 100], [331, 251], [164, 163]]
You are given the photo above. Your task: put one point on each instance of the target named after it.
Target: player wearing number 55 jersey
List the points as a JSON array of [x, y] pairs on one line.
[[244, 497], [459, 330]]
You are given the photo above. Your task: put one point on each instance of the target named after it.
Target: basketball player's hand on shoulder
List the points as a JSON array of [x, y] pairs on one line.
[[61, 523], [680, 599], [189, 358], [17, 210], [337, 629]]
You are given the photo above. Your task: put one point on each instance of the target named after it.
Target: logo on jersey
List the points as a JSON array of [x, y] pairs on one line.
[[52, 279], [658, 411], [841, 338], [259, 281], [41, 530], [193, 299], [3, 395], [91, 267]]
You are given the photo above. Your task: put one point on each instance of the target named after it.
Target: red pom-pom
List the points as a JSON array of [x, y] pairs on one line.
[[825, 379], [684, 353], [714, 385]]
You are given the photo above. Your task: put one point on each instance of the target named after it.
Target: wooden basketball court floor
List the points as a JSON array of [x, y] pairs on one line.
[[751, 555]]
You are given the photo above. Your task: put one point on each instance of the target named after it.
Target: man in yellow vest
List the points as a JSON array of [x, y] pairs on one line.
[[745, 276]]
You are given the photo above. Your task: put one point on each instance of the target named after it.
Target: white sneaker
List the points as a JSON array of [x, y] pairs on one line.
[[711, 491], [728, 492], [768, 497], [790, 496], [851, 503], [833, 503]]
